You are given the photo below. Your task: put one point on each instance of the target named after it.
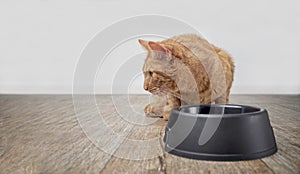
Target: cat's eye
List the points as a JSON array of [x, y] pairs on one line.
[[151, 73]]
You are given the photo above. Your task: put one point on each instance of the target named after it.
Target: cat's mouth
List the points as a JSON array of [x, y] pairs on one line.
[[155, 91]]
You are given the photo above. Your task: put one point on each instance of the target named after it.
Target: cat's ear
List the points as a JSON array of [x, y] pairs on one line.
[[159, 48], [144, 44]]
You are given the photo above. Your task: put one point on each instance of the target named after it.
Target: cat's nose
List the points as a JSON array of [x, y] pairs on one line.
[[145, 87]]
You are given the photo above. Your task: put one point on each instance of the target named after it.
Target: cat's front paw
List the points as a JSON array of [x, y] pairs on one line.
[[166, 115], [151, 111], [148, 109]]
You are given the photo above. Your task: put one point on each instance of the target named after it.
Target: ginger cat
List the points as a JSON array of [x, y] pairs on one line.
[[185, 69]]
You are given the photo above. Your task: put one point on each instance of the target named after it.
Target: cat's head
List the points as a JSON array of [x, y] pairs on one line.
[[158, 68]]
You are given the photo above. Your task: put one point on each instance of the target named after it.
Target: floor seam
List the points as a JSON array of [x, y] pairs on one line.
[[267, 166]]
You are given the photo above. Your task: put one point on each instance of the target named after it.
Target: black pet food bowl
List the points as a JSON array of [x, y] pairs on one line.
[[220, 133]]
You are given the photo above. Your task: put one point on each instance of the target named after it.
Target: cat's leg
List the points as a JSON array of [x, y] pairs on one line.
[[152, 110], [172, 102], [227, 96], [221, 99], [156, 108], [224, 99]]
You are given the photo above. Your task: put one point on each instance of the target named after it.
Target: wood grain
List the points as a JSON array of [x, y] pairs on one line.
[[42, 134]]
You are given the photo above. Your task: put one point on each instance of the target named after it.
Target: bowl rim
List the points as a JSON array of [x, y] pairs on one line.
[[260, 110]]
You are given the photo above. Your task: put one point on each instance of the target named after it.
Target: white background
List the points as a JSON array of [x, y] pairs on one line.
[[40, 41]]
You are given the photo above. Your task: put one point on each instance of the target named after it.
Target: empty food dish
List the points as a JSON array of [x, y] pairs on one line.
[[220, 132]]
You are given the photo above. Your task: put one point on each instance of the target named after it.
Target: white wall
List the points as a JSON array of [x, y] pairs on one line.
[[40, 41]]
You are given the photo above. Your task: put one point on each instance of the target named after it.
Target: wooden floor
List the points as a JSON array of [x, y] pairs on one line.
[[42, 134]]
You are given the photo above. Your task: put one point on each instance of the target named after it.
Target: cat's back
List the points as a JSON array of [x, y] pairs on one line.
[[194, 43], [204, 51], [209, 57]]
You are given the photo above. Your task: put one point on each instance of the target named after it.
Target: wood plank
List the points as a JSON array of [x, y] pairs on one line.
[[122, 165], [286, 126], [181, 165], [291, 106], [140, 152], [41, 134], [258, 98]]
